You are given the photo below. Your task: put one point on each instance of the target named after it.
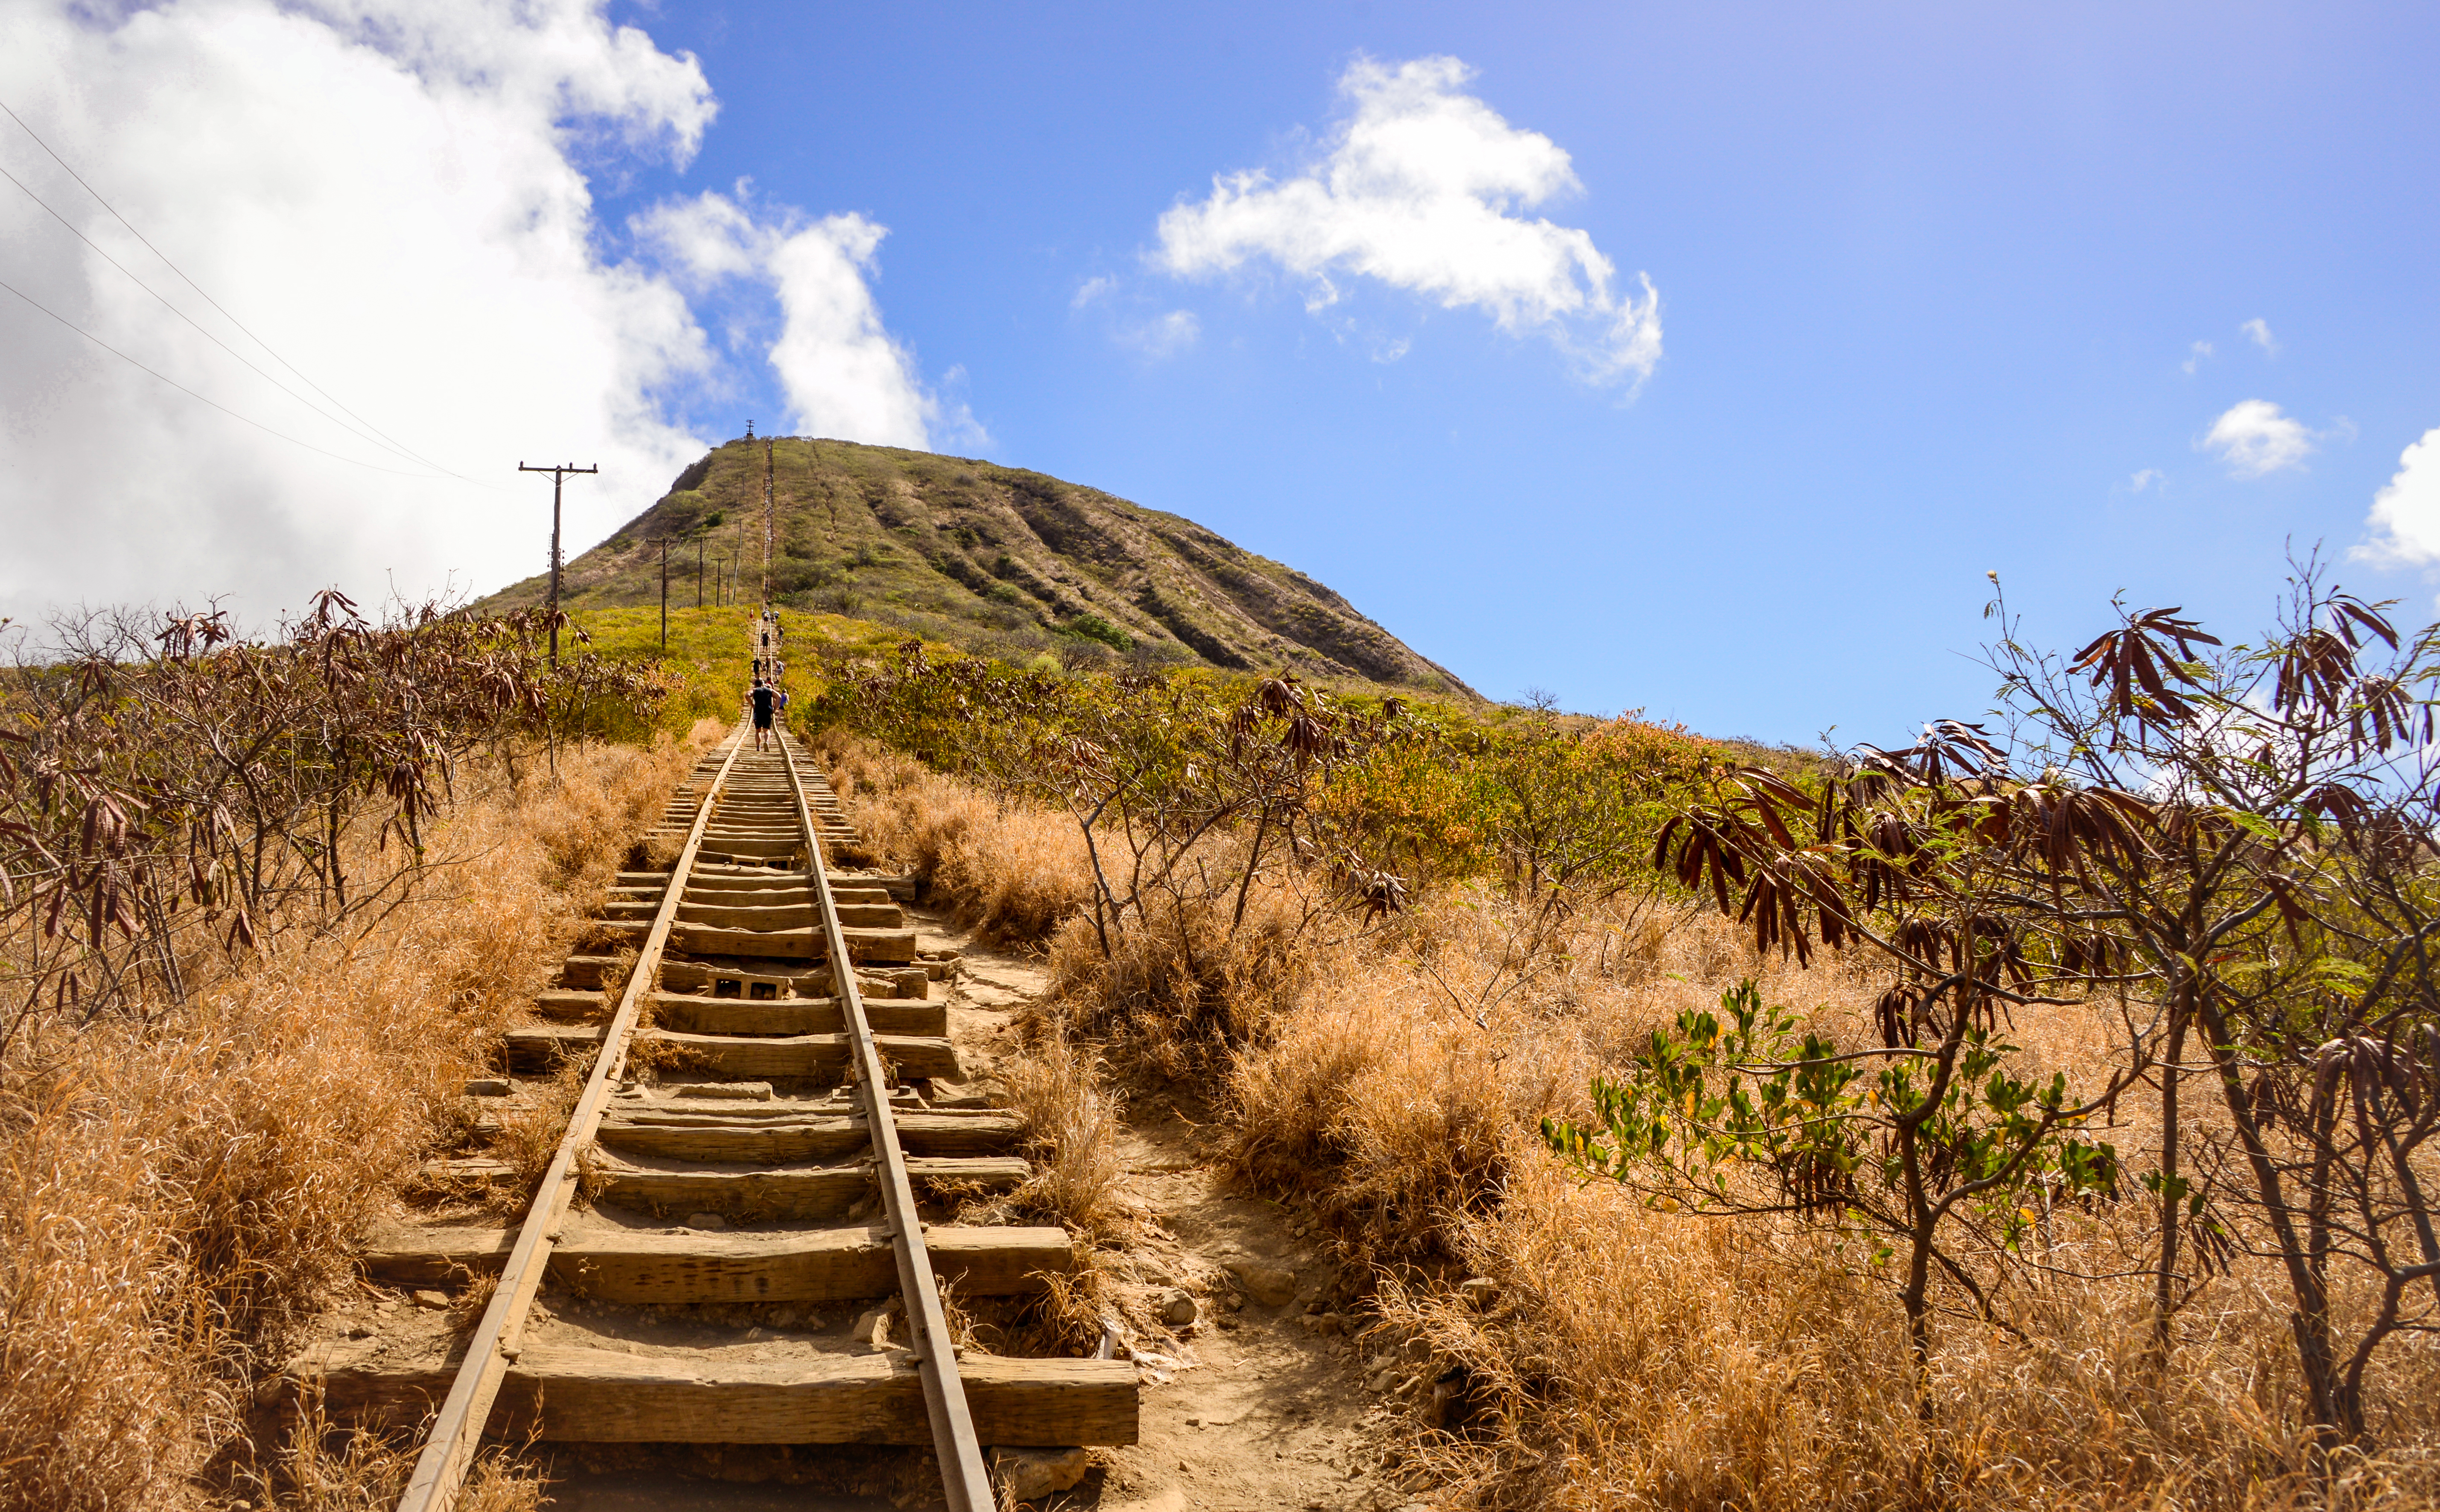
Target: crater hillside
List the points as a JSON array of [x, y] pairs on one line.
[[992, 557]]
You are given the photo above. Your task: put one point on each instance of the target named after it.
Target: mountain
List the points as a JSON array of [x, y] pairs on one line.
[[991, 558]]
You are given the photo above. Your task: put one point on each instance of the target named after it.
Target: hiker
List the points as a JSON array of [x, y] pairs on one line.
[[784, 703], [763, 705]]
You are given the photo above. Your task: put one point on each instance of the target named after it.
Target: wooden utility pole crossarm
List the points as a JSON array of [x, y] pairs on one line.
[[558, 478]]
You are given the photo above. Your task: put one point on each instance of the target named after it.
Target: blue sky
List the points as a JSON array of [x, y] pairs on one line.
[[2101, 297]]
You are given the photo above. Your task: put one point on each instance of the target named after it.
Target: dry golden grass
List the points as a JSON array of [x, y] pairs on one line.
[[1639, 1358], [1072, 1128], [1179, 987], [175, 1197], [1011, 873], [1646, 1358], [324, 1469]]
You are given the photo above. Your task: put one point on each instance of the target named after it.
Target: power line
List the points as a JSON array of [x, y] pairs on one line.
[[393, 444], [191, 393], [78, 234]]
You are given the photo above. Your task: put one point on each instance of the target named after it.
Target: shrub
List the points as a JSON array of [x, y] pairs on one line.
[[1093, 627]]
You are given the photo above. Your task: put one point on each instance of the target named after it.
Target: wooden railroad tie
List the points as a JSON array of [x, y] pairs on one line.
[[757, 1036]]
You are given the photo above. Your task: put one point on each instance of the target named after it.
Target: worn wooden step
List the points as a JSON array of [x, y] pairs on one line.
[[546, 1046], [572, 1005], [711, 879], [788, 915], [804, 1191], [587, 971], [822, 1265], [697, 976], [784, 1016], [821, 1056], [565, 1395], [699, 1130], [755, 845], [419, 1257], [827, 1265], [470, 1170], [882, 946], [777, 888], [900, 887]]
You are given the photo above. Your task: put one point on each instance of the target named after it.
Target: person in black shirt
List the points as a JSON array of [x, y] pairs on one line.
[[763, 702]]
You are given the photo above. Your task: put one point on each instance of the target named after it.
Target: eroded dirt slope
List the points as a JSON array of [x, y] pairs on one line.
[[1258, 1403]]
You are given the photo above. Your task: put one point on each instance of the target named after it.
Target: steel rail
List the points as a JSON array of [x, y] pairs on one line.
[[963, 1480], [458, 1430]]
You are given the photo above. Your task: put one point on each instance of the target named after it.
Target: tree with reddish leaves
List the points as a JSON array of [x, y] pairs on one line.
[[2230, 847], [173, 793]]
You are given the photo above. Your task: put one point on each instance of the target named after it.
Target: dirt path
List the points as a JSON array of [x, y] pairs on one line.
[[1260, 1403]]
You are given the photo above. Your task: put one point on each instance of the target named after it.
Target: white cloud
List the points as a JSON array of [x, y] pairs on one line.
[[2148, 478], [2405, 517], [1421, 188], [394, 193], [386, 194], [2195, 355], [1164, 335], [2254, 439], [845, 375], [1091, 289], [2258, 332]]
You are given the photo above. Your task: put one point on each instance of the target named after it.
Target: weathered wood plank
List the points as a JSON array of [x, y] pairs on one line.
[[572, 1005], [745, 1056], [775, 1131], [843, 885], [608, 1397], [817, 1056], [587, 970], [752, 913], [736, 845], [739, 1140], [895, 945], [418, 1256], [545, 1046], [791, 1016], [826, 1265], [694, 976], [805, 1191]]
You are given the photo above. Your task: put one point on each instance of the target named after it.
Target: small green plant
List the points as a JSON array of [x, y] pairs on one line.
[[1941, 1155], [1094, 627]]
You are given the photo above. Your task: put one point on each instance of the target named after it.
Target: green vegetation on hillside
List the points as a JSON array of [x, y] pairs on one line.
[[989, 558], [711, 657]]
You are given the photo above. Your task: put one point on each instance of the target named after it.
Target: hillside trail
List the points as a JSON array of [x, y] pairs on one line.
[[1242, 1411]]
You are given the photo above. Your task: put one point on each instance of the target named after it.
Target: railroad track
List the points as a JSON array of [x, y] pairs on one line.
[[753, 1140]]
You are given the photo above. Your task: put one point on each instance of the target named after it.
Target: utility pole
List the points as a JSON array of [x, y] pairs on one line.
[[558, 476], [698, 568], [665, 595]]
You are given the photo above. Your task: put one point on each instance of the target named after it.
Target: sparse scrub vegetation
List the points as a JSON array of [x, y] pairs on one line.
[[1818, 1132], [1071, 1120], [197, 1120], [997, 561]]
